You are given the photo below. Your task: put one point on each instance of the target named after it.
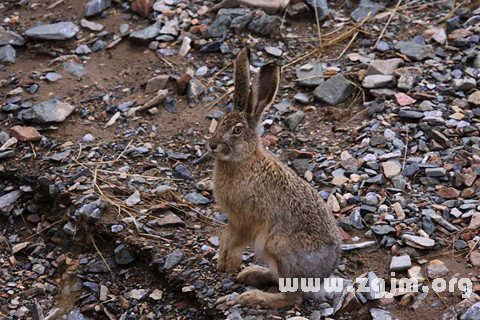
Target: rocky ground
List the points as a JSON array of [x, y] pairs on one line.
[[106, 210]]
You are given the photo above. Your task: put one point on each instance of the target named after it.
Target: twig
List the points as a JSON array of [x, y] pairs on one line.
[[406, 151], [53, 5], [353, 37], [392, 13], [318, 23], [101, 255], [123, 151]]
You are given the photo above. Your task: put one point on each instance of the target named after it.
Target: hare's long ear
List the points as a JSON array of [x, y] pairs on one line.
[[242, 79], [264, 89]]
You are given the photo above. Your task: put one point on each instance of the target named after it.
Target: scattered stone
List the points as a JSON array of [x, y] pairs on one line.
[[75, 69], [7, 54], [365, 9], [133, 199], [294, 119], [90, 25], [415, 50], [8, 37], [157, 83], [123, 256], [474, 98], [383, 67], [54, 31], [25, 134], [7, 202], [380, 314], [265, 25], [475, 221], [377, 81], [400, 263], [475, 258], [416, 273], [418, 242], [173, 259], [196, 198], [473, 313], [333, 91], [274, 51], [403, 99], [53, 76], [448, 193], [49, 111], [147, 34], [94, 7], [391, 168], [310, 75], [437, 269]]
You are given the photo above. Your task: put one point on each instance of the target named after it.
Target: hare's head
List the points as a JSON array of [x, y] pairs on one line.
[[236, 137]]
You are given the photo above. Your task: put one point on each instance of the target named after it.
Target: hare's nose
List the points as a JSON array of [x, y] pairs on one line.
[[213, 145]]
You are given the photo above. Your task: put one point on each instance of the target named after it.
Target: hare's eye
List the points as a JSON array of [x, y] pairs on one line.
[[237, 129]]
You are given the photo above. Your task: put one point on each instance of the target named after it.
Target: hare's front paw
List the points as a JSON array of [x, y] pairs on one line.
[[256, 276], [251, 299]]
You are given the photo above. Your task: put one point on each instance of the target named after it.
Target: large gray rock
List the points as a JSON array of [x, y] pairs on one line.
[[94, 7], [335, 90], [75, 69], [473, 313], [7, 54], [366, 8], [265, 25], [53, 31], [49, 111], [147, 34], [377, 81], [380, 314], [415, 50], [7, 201], [11, 38], [310, 75], [173, 259], [322, 8], [219, 27], [76, 314]]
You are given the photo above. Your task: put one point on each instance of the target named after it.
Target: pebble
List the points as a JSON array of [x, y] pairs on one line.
[[94, 7], [294, 119], [7, 54], [418, 242], [437, 269], [173, 259], [49, 111], [54, 31], [25, 134], [334, 91], [400, 263]]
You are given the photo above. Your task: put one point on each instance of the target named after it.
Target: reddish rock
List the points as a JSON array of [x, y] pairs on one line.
[[25, 134], [475, 258], [403, 99], [142, 7], [474, 98], [157, 83], [294, 154], [448, 193], [182, 83], [269, 140]]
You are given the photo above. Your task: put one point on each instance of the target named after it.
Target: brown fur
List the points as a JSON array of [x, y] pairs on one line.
[[268, 204]]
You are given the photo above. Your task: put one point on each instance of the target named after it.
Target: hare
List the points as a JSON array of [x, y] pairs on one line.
[[267, 203]]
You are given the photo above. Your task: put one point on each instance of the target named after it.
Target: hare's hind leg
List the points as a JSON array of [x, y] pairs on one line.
[[256, 276], [257, 298]]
